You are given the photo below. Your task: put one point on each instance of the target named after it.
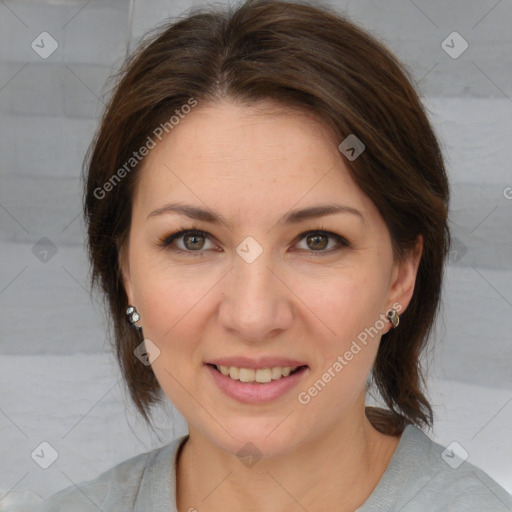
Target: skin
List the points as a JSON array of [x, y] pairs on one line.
[[252, 165]]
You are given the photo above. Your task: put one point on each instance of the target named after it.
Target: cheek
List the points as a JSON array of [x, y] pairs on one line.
[[345, 305], [351, 307], [166, 296], [171, 316], [174, 309]]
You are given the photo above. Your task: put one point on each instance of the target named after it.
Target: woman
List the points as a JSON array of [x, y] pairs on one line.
[[267, 215]]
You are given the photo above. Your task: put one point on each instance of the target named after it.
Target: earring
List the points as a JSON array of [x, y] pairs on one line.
[[393, 317], [133, 316]]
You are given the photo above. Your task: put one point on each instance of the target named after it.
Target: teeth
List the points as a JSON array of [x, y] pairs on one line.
[[261, 375], [247, 375], [276, 373]]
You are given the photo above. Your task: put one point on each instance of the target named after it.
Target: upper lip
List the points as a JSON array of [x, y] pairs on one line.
[[260, 363]]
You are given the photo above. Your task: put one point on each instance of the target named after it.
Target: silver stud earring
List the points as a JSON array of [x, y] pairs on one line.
[[133, 316], [393, 317]]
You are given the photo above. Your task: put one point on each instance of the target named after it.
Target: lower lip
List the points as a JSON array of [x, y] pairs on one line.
[[254, 392]]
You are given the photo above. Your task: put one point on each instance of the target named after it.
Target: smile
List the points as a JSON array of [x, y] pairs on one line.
[[262, 375], [256, 386]]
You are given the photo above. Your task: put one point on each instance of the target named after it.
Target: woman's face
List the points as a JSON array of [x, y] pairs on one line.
[[266, 282]]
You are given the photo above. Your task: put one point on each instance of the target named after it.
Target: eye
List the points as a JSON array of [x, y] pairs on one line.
[[318, 241], [187, 240], [195, 242]]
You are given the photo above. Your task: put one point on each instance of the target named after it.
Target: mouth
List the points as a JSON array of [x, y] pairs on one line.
[[256, 386], [257, 376]]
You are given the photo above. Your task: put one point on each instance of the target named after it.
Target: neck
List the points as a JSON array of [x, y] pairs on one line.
[[336, 470]]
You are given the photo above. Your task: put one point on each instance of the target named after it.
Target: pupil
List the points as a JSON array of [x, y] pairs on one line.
[[194, 237], [316, 244]]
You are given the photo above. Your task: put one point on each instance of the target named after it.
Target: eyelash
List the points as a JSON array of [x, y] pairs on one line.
[[165, 241]]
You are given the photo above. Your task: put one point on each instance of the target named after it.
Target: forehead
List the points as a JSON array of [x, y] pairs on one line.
[[234, 134], [258, 155]]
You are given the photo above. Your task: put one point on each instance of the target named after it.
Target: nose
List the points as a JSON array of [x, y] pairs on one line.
[[256, 304]]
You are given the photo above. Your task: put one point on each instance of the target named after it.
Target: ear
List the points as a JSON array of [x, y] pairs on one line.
[[404, 277], [124, 267]]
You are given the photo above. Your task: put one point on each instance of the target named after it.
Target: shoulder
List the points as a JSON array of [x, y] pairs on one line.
[[425, 476], [113, 490], [453, 482]]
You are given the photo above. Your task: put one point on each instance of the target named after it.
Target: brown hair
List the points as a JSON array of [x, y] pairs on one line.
[[306, 57]]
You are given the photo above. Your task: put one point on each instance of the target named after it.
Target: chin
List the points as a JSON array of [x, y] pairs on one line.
[[256, 438]]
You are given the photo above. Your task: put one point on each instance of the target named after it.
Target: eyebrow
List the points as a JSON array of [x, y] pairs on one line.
[[293, 217]]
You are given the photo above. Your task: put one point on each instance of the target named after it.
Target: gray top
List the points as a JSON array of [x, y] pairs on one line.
[[417, 479]]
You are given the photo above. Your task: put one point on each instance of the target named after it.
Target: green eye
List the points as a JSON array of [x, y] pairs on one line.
[[193, 241], [318, 241]]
